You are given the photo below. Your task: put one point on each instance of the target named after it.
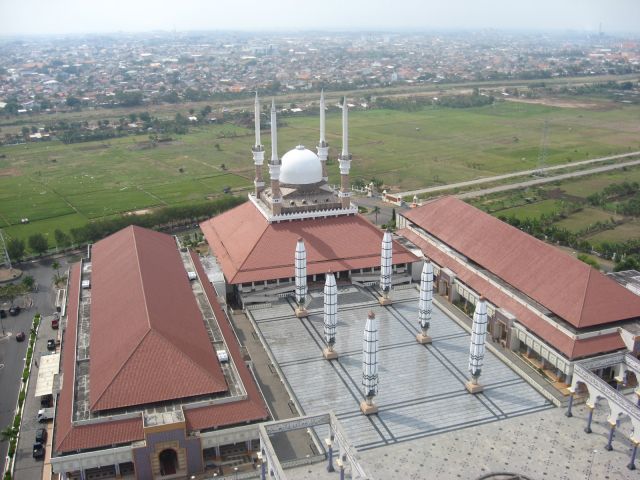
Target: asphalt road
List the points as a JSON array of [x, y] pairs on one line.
[[12, 353], [523, 173], [554, 178]]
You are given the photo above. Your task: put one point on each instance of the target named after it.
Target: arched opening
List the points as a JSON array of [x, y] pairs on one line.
[[168, 462]]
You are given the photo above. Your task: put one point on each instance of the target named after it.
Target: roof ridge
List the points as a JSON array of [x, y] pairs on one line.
[[186, 355], [248, 255], [584, 296], [121, 366], [142, 283]]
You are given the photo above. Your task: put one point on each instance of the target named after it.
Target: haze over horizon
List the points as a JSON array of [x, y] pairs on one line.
[[78, 16]]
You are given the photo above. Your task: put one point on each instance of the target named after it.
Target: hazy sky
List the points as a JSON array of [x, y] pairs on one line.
[[88, 16]]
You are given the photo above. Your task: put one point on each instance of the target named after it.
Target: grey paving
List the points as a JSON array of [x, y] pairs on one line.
[[421, 391]]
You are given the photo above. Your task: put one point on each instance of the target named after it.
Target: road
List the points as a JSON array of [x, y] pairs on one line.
[[521, 173], [540, 181], [12, 353]]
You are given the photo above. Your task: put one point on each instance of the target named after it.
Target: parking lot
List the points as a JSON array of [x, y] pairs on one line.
[[12, 356]]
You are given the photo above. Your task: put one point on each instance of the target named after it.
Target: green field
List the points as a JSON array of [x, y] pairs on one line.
[[587, 216], [62, 186], [533, 210], [621, 233]]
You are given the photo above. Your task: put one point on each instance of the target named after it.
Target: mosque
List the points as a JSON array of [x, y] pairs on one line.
[[141, 310], [253, 243]]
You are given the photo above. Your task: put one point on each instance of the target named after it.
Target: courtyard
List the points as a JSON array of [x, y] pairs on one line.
[[421, 388]]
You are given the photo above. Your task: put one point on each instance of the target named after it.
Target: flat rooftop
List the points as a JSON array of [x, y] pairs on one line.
[[421, 388]]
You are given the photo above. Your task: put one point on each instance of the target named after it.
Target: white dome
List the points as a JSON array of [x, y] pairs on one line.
[[300, 167]]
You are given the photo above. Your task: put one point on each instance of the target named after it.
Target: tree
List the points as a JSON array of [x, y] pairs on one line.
[[28, 282], [62, 239], [15, 249], [38, 243], [9, 433], [56, 266], [630, 262], [376, 211], [73, 102]]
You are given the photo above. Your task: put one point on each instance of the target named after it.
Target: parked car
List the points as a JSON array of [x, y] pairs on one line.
[[41, 436], [20, 337], [15, 310], [38, 450], [3, 313], [46, 401], [55, 323], [51, 344], [45, 414]]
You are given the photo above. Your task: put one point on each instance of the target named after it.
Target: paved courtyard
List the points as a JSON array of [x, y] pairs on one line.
[[421, 389]]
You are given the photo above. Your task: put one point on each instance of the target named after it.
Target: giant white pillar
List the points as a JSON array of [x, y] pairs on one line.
[[258, 151], [301, 278], [323, 146], [370, 365], [425, 303], [386, 261], [476, 348], [330, 316]]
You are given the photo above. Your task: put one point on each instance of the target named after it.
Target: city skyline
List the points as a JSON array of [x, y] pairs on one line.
[[75, 17]]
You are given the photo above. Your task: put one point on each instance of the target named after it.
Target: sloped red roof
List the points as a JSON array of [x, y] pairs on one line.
[[250, 249], [148, 340], [68, 438], [569, 346], [568, 287]]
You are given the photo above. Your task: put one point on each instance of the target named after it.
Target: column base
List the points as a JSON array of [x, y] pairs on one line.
[[473, 387], [608, 448], [329, 354], [301, 312], [384, 301], [368, 409], [587, 430], [423, 339], [568, 414], [631, 466]]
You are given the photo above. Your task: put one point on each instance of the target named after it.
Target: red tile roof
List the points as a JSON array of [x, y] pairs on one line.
[[570, 347], [250, 249], [148, 340], [67, 437], [70, 438], [568, 287]]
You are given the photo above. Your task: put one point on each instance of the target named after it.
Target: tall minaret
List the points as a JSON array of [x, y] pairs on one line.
[[274, 164], [345, 159], [258, 151], [323, 146]]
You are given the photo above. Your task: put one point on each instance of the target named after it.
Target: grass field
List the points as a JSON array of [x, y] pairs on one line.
[[533, 210], [62, 186], [621, 233], [587, 216]]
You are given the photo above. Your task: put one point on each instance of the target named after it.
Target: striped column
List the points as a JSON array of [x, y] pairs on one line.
[[425, 304], [330, 316], [476, 349], [301, 278], [386, 261], [370, 365]]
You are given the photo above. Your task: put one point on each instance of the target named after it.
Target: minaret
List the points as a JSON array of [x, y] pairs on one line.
[[274, 164], [476, 348], [258, 151], [330, 316], [301, 278], [323, 146], [425, 302], [370, 365], [345, 159], [386, 262]]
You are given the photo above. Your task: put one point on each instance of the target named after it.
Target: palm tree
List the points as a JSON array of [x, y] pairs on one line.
[[56, 266], [376, 211], [9, 433]]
